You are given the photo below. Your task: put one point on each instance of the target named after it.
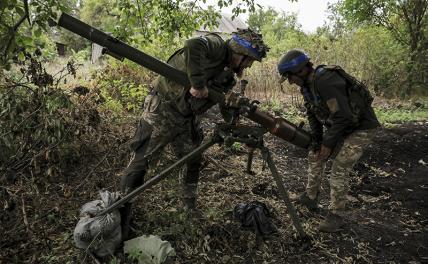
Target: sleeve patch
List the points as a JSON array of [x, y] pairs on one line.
[[333, 106]]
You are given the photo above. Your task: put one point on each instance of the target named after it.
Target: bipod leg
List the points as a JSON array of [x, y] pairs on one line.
[[162, 175], [250, 161], [283, 192]]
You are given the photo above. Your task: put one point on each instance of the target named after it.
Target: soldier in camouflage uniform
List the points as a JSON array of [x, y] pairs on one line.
[[171, 111], [337, 101]]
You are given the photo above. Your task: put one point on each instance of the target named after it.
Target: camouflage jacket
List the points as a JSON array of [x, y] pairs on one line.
[[330, 103], [205, 59]]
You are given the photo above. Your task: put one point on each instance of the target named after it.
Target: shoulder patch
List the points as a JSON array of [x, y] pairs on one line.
[[333, 106]]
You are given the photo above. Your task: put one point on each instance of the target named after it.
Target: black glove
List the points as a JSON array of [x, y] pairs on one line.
[[315, 145], [316, 141]]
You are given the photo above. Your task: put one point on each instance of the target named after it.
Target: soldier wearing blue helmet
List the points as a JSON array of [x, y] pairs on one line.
[[342, 121], [171, 114]]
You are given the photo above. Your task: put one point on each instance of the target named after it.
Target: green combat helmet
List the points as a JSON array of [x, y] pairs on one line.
[[249, 43], [292, 62]]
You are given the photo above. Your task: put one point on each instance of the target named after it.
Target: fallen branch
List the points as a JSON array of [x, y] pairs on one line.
[[24, 214], [217, 164]]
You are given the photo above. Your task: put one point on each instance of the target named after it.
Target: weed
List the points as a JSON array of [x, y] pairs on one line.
[[387, 116], [236, 146]]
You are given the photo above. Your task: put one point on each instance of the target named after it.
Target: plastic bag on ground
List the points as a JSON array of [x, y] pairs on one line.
[[149, 249], [100, 235]]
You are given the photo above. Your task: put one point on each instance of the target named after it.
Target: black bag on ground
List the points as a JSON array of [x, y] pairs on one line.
[[254, 216]]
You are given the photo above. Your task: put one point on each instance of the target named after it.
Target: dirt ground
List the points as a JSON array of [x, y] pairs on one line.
[[387, 223]]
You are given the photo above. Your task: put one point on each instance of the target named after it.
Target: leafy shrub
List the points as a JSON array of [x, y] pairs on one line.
[[81, 56], [44, 129], [123, 85], [31, 117]]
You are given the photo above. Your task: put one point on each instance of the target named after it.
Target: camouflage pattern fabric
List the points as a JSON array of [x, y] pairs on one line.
[[204, 59], [161, 125], [348, 154], [252, 37], [170, 114]]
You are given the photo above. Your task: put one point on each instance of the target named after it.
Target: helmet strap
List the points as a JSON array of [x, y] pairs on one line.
[[242, 60]]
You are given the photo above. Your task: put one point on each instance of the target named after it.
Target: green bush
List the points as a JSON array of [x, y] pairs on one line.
[[32, 123], [123, 85], [81, 56], [45, 129]]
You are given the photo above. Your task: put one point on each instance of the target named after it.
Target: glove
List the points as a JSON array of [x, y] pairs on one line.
[[315, 146], [324, 153], [315, 142]]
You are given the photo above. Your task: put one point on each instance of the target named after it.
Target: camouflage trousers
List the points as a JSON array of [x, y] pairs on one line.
[[159, 126], [348, 154]]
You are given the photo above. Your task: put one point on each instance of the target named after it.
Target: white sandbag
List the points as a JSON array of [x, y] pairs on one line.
[[99, 234], [149, 249]]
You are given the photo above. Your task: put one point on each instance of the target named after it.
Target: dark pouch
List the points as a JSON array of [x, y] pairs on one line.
[[254, 216], [142, 134]]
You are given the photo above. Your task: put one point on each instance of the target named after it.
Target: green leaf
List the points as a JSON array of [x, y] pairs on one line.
[[21, 56], [20, 10], [27, 41], [37, 32]]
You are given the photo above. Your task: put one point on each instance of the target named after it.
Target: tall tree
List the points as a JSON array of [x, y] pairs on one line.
[[407, 20]]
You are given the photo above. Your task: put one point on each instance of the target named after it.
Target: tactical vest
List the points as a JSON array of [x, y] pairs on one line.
[[359, 96], [318, 108]]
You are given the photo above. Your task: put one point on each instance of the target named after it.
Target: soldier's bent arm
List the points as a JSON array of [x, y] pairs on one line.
[[199, 52], [332, 89]]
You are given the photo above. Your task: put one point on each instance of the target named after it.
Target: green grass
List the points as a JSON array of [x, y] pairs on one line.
[[386, 116]]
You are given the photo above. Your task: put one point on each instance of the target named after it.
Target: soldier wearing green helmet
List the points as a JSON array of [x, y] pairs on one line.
[[342, 121], [171, 113]]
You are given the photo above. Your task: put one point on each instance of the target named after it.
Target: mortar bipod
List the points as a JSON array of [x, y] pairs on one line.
[[227, 134], [253, 137]]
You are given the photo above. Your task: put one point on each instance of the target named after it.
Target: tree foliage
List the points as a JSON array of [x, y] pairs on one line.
[[369, 52], [140, 22], [407, 22], [276, 28], [22, 23]]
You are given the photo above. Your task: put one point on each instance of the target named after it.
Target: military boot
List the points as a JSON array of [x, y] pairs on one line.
[[332, 223], [189, 201], [311, 204], [125, 220]]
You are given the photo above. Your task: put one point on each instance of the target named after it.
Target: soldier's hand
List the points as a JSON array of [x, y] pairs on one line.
[[232, 99], [201, 93], [324, 153]]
